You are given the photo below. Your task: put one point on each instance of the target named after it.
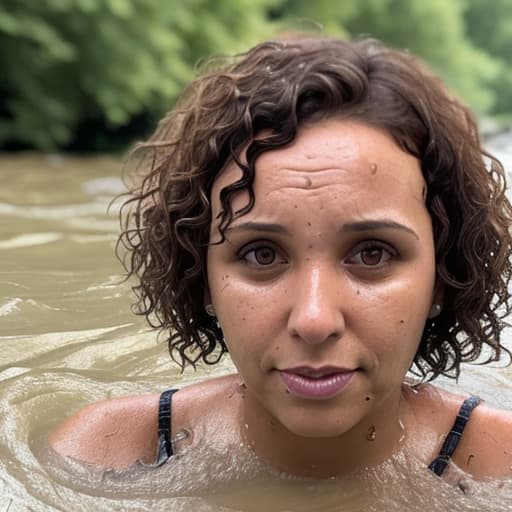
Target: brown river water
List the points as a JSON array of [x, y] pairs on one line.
[[68, 337]]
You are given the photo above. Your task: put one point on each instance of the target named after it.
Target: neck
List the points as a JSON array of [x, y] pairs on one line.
[[368, 443]]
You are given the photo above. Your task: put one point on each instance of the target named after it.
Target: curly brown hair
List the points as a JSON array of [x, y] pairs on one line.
[[279, 86]]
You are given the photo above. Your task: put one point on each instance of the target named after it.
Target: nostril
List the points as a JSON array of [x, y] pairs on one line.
[[317, 330]]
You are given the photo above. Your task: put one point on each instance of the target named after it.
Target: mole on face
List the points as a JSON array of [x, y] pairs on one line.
[[373, 168]]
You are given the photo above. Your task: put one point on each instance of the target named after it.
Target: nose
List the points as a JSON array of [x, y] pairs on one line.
[[316, 315]]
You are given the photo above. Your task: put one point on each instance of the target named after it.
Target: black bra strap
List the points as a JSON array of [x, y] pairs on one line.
[[164, 426], [452, 439]]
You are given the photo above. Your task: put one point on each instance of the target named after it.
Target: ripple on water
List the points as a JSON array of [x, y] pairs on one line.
[[219, 475]]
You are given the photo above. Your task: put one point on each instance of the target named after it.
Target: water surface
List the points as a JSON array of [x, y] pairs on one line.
[[67, 338]]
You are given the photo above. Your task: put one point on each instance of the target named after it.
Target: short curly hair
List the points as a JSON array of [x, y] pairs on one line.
[[279, 86]]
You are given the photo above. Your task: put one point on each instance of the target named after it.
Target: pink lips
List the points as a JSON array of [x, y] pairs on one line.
[[325, 382]]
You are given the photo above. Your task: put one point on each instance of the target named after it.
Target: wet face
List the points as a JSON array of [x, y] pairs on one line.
[[323, 288]]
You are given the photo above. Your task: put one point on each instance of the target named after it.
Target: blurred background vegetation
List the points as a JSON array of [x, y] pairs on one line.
[[95, 75]]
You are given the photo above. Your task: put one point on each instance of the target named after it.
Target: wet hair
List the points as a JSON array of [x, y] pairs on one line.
[[274, 89]]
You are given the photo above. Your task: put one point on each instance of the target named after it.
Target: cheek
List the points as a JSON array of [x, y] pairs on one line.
[[394, 318]]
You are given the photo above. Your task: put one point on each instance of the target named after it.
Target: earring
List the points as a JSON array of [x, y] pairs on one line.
[[435, 310], [210, 311]]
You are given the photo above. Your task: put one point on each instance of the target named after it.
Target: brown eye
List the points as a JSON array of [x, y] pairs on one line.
[[372, 255], [264, 255]]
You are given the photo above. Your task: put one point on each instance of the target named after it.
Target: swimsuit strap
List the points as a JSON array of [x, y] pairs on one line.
[[164, 427], [452, 439]]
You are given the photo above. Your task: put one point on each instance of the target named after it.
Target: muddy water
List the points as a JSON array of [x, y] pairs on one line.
[[67, 338]]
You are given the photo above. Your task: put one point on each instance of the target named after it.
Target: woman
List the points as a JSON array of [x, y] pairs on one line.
[[322, 211]]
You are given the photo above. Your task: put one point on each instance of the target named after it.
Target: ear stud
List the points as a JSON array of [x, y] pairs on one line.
[[210, 311], [435, 310]]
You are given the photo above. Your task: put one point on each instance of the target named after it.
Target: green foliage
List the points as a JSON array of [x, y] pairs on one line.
[[434, 30], [69, 67], [489, 25], [67, 62]]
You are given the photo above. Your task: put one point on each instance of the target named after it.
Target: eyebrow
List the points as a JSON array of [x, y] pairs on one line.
[[373, 225], [267, 227], [358, 226]]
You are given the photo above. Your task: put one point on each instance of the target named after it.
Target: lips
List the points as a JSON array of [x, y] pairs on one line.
[[316, 383]]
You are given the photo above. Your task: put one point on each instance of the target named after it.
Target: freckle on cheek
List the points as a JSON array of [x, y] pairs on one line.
[[402, 321]]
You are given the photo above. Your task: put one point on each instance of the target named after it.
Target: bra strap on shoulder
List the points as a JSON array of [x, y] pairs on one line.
[[164, 427], [452, 439]]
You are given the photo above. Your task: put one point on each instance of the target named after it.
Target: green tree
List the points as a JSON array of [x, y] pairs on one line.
[[68, 62], [434, 30], [489, 25]]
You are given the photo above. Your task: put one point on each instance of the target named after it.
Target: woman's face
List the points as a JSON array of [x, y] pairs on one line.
[[323, 288]]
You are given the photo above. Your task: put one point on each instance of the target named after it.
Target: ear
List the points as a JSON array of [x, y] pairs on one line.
[[207, 298], [438, 295], [437, 299]]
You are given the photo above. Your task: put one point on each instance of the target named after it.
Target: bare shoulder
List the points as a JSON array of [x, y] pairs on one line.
[[120, 432], [113, 433], [486, 446]]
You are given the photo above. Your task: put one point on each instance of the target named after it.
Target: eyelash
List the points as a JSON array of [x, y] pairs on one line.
[[253, 247], [365, 246], [375, 245]]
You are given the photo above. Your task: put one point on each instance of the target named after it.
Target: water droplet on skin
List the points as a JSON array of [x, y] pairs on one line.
[[371, 435]]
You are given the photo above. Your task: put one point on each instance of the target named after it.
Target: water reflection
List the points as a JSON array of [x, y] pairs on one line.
[[68, 338]]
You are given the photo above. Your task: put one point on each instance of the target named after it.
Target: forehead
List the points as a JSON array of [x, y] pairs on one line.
[[353, 163]]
